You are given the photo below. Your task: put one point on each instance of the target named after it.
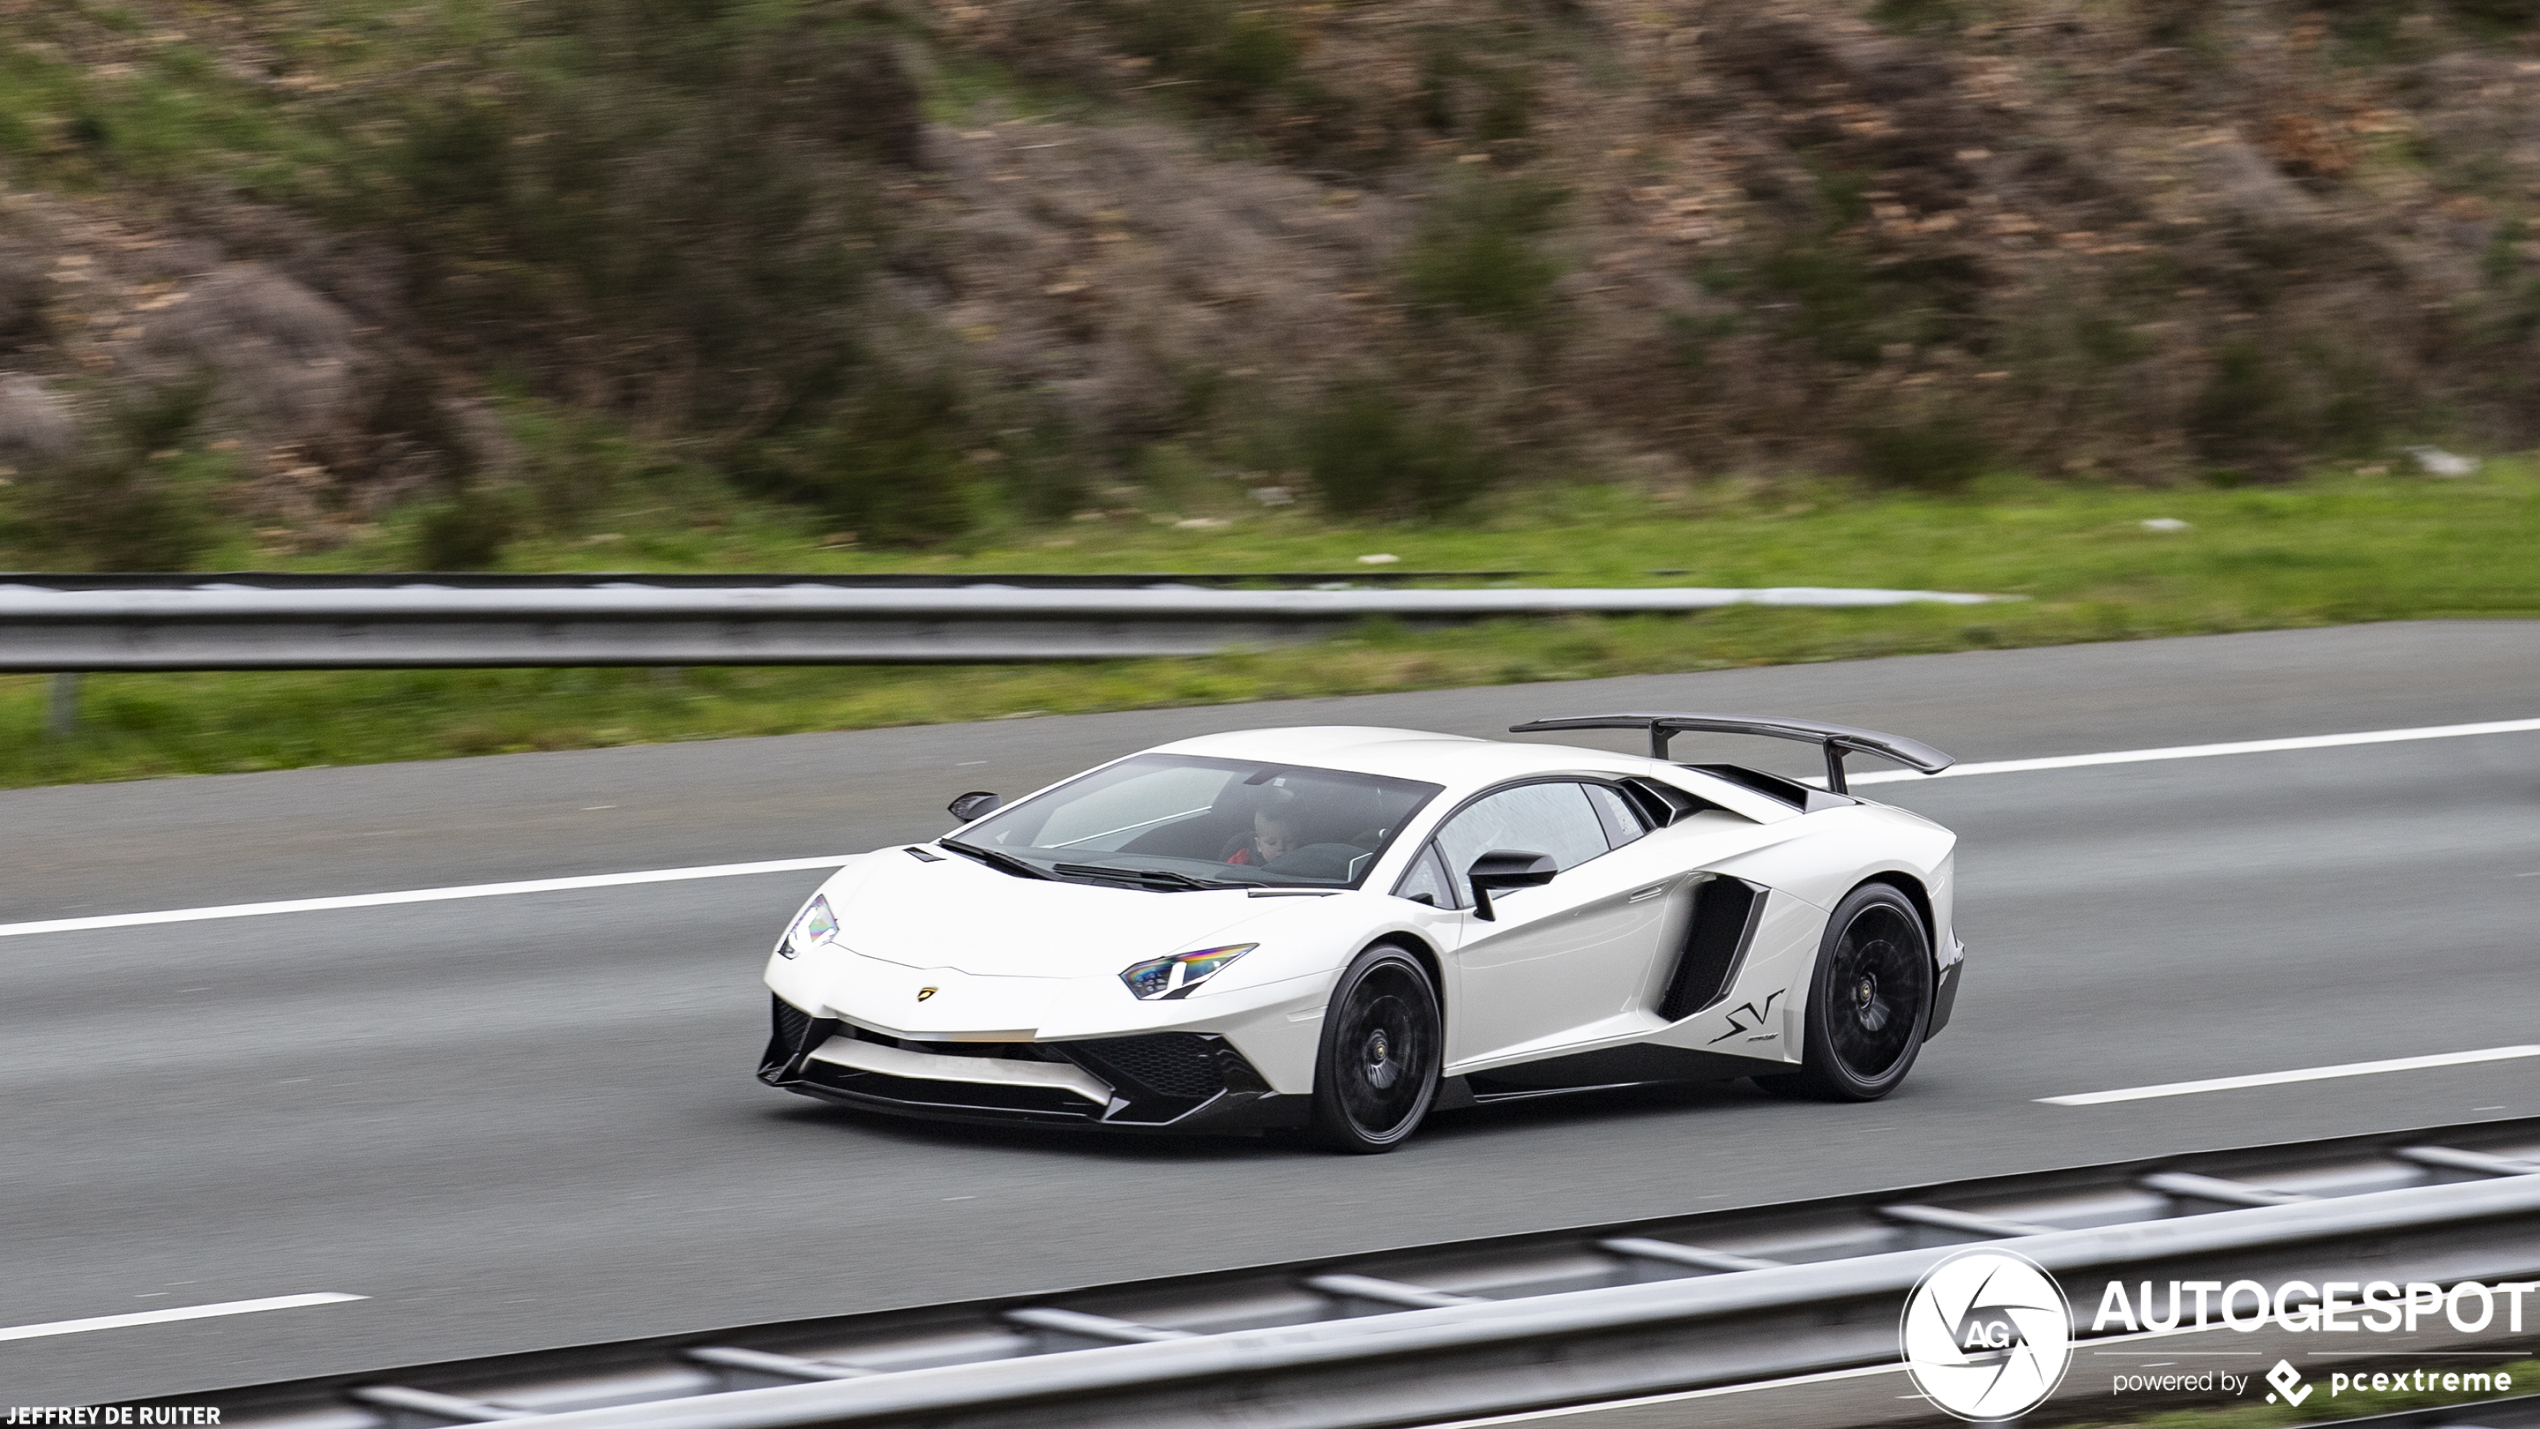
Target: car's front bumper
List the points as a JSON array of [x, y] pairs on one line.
[[1167, 1081]]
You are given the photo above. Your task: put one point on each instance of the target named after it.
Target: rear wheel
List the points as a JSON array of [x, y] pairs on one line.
[[1383, 1041], [1870, 1002]]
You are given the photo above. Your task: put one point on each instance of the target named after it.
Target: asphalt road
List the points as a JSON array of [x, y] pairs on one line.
[[529, 1120]]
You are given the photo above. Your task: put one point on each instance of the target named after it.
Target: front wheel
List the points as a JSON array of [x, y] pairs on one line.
[[1870, 1002], [1383, 1041]]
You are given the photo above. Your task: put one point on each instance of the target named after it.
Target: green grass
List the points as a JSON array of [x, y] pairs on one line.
[[2339, 549], [168, 108]]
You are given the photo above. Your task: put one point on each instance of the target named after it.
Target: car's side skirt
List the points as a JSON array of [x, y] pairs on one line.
[[1612, 1066]]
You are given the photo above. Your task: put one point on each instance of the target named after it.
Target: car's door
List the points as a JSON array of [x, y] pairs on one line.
[[1558, 959]]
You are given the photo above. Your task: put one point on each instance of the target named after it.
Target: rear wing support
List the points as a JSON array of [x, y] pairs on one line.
[[1837, 740]]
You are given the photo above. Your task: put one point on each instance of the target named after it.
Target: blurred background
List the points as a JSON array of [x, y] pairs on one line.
[[2171, 315]]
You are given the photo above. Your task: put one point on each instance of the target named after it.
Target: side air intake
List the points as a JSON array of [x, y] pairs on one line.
[[1725, 911]]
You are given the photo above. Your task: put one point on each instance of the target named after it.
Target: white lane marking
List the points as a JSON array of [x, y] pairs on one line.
[[173, 1313], [787, 865], [2305, 1074], [2205, 751], [417, 895]]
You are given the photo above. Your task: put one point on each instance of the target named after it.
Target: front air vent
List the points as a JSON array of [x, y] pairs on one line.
[[1170, 1064], [793, 1034], [1725, 911], [792, 1025]]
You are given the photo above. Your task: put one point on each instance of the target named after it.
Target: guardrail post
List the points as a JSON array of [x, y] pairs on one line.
[[61, 719]]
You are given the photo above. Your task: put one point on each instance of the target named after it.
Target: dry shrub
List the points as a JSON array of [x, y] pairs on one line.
[[138, 496], [283, 358], [1911, 237], [1367, 454], [23, 294], [1107, 265], [1479, 251], [37, 430], [658, 209], [888, 466], [2303, 146]]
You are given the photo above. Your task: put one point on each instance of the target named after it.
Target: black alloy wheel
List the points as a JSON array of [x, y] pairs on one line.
[[1870, 1003], [1383, 1042]]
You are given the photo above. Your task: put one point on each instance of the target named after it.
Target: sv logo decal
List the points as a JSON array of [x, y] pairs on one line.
[[1747, 1017]]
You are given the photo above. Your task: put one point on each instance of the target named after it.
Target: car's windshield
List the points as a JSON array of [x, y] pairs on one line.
[[1170, 821]]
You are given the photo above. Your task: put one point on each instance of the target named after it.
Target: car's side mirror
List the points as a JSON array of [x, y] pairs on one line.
[[978, 803], [1507, 868]]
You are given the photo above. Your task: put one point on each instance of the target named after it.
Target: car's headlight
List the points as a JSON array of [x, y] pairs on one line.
[[814, 926], [1177, 975]]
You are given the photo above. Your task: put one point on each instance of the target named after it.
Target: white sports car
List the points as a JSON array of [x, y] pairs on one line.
[[1346, 929]]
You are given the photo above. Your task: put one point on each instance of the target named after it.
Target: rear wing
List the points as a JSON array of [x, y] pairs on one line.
[[1837, 740]]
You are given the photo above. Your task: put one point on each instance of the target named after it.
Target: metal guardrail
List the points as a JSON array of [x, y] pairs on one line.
[[418, 627], [741, 580], [1507, 1325]]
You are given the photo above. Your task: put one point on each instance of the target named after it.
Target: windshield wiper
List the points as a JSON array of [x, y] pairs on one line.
[[1164, 876], [996, 859]]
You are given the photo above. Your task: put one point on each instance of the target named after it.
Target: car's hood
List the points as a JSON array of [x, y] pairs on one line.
[[961, 914]]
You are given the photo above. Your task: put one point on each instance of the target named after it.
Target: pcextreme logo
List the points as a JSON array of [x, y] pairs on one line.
[[2288, 1383], [1987, 1335]]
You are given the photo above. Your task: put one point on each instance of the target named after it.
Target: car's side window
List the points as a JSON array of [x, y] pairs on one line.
[[1622, 822], [1426, 882], [1549, 818]]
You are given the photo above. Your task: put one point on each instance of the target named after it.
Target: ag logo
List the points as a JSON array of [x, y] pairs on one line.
[[924, 993], [1987, 1335]]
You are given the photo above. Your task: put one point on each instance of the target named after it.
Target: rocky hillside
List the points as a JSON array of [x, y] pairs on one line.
[[920, 265]]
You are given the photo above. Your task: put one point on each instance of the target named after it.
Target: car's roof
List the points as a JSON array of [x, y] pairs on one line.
[[1450, 759]]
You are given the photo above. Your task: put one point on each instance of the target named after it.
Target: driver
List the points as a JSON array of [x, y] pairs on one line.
[[1274, 836]]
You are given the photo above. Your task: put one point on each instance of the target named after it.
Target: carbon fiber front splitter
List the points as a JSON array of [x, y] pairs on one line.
[[1229, 1112]]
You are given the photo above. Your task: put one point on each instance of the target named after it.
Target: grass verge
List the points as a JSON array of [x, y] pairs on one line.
[[2336, 550]]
